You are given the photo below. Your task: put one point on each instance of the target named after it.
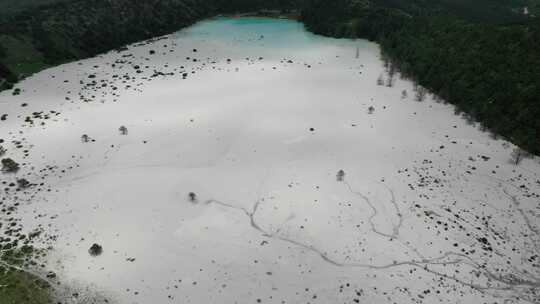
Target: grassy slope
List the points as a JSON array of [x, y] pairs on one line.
[[20, 287]]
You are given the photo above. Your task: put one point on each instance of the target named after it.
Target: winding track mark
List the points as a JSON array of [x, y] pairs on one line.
[[512, 285]]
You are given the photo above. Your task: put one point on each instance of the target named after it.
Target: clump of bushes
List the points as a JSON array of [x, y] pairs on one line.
[[9, 165]]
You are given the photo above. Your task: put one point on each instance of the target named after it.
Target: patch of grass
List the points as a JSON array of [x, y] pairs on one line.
[[18, 287]]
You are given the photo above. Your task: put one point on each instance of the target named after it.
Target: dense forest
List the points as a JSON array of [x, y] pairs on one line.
[[483, 56]]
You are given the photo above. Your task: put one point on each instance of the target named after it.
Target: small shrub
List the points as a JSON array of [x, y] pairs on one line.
[[23, 183], [123, 130], [404, 94], [421, 94], [390, 81], [95, 250], [340, 176]]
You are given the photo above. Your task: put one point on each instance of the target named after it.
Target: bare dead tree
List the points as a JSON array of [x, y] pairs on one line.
[[380, 80], [421, 93], [386, 61], [518, 155], [391, 75]]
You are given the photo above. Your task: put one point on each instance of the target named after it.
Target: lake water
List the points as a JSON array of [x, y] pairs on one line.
[[256, 117]]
